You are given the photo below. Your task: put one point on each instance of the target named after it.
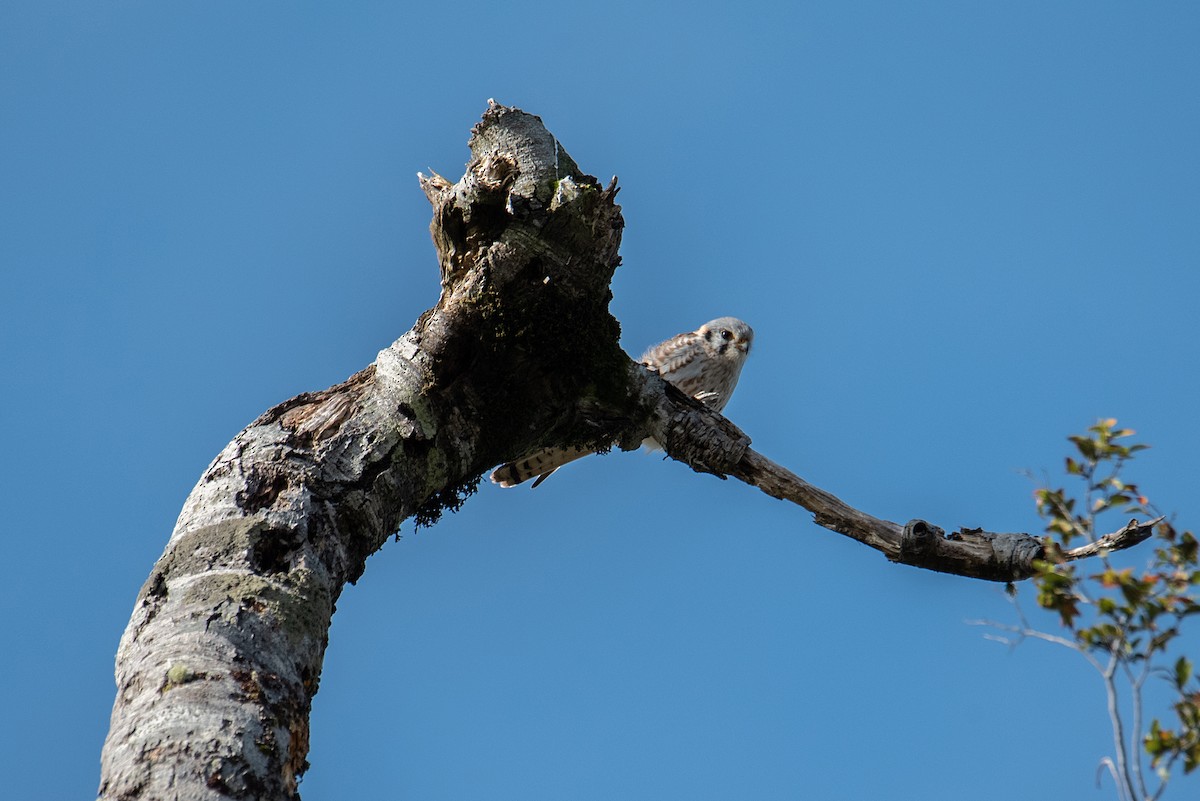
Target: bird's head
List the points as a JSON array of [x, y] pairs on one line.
[[728, 337]]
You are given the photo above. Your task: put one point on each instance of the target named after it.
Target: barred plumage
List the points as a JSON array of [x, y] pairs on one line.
[[704, 363]]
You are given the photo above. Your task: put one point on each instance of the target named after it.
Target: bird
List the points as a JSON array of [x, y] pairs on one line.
[[705, 363]]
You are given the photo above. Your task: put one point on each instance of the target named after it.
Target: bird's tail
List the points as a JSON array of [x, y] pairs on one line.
[[540, 463]]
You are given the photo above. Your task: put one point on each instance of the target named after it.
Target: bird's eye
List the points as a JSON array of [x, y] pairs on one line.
[[726, 334]]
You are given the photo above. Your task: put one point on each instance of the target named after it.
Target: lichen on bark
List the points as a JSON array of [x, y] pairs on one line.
[[218, 666]]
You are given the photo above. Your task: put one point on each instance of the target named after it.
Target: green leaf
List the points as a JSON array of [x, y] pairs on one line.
[[1183, 672], [1154, 741], [1086, 446]]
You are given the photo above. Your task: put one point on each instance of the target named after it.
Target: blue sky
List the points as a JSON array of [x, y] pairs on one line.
[[961, 231]]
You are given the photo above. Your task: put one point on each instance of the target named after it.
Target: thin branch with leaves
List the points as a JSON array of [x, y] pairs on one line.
[[1122, 620]]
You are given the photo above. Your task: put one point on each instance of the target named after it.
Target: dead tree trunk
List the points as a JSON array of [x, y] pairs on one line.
[[218, 666], [220, 661]]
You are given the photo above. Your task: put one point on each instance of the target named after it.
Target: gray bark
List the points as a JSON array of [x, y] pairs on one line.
[[220, 661], [219, 664]]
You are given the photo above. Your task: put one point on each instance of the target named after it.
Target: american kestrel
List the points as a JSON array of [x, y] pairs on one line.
[[704, 363]]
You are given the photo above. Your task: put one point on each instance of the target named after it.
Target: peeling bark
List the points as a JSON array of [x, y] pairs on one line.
[[222, 656]]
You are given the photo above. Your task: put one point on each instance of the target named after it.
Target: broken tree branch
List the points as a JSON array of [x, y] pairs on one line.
[[222, 655], [693, 433]]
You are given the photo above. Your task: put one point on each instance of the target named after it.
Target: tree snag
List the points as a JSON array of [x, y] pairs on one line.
[[218, 666]]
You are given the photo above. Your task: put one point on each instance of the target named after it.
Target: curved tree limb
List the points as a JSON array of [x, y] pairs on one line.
[[219, 663], [218, 666]]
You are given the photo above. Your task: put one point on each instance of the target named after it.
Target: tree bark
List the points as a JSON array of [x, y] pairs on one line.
[[222, 656], [220, 661]]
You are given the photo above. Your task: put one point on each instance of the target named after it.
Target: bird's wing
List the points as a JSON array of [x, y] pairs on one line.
[[674, 354]]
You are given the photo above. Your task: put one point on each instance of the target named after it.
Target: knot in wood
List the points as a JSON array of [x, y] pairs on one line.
[[1002, 557], [1014, 553], [920, 539], [494, 172]]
